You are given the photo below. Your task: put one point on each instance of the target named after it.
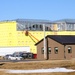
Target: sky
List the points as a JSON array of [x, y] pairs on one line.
[[37, 9]]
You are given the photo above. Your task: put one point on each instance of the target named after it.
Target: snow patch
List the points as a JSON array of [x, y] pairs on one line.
[[41, 70]]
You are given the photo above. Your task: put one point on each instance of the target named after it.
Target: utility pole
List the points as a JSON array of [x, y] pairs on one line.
[[45, 46]]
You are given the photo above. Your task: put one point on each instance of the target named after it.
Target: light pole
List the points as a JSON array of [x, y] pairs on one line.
[[45, 49]]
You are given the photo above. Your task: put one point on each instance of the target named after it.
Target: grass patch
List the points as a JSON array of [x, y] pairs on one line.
[[70, 64]]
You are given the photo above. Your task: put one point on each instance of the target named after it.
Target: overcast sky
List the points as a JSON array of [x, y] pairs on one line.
[[37, 9]]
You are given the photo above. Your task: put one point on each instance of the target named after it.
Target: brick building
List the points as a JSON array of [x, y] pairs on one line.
[[58, 47]]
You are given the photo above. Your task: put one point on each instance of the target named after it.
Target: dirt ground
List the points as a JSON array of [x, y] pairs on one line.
[[70, 64]]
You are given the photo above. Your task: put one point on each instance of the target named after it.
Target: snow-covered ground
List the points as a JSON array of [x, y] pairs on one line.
[[39, 70]]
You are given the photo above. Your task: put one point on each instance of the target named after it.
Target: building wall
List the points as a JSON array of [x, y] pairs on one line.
[[62, 50], [70, 55], [7, 33], [39, 52], [52, 44], [9, 36]]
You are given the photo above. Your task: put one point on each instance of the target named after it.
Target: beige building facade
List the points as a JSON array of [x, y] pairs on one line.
[[58, 47]]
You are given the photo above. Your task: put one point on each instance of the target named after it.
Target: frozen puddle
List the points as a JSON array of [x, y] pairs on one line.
[[39, 70]]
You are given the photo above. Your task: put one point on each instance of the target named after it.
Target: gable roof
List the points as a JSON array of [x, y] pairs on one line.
[[63, 39]]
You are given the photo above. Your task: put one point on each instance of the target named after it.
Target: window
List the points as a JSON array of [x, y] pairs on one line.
[[49, 50], [41, 28], [42, 50], [26, 27], [69, 49], [70, 26], [56, 50], [29, 28], [36, 26], [33, 26]]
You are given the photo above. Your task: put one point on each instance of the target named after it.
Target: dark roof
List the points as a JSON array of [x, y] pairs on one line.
[[33, 20], [45, 21], [72, 21], [63, 39], [66, 21]]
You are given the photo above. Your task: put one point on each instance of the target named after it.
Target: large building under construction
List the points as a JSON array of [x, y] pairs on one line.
[[26, 32]]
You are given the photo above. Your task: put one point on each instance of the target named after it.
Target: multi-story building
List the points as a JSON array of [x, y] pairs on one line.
[[26, 32]]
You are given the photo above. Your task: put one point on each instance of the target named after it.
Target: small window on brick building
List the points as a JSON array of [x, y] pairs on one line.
[[56, 50], [49, 50], [42, 50], [69, 49]]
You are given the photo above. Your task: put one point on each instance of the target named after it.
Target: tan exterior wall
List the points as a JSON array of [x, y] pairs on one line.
[[52, 44], [70, 55], [62, 51], [39, 53]]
